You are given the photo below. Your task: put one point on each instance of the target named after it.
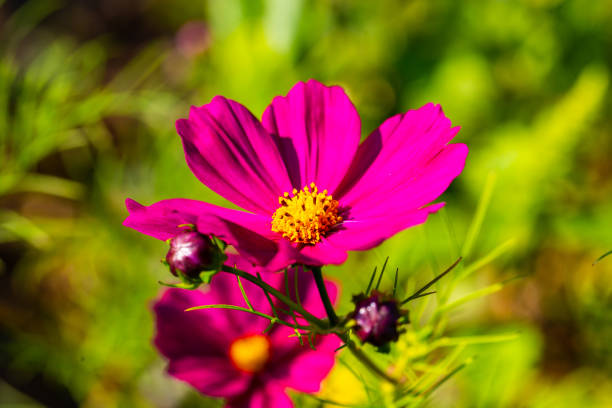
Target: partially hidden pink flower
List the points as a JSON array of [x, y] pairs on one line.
[[311, 191], [224, 353]]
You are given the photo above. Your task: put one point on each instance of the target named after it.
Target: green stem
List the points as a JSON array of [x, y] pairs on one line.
[[365, 360], [272, 319], [279, 295], [333, 319], [329, 308]]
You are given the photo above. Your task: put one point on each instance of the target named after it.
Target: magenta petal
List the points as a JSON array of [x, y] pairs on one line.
[[162, 219], [299, 366], [363, 234], [224, 289], [179, 334], [197, 342], [269, 396], [214, 376], [395, 153], [286, 351], [133, 206], [322, 253], [249, 235], [309, 294], [197, 352], [412, 193], [311, 367], [318, 133], [309, 298], [229, 150]]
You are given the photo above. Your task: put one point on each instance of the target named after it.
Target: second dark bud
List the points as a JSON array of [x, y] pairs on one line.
[[377, 318]]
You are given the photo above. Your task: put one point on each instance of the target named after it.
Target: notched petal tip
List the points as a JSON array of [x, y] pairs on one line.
[[133, 206], [310, 85], [182, 126], [195, 110]]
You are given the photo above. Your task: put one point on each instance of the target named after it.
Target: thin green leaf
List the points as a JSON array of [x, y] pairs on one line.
[[268, 297], [295, 287], [434, 280], [324, 401], [467, 340], [340, 348], [299, 336], [481, 210], [454, 248], [367, 292], [366, 384], [602, 257], [495, 253], [270, 326], [496, 287], [286, 276], [395, 281], [424, 294], [310, 339], [445, 378], [418, 318], [382, 272], [253, 312], [419, 387], [244, 295]]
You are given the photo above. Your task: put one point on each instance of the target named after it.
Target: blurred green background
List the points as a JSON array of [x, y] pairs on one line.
[[90, 90]]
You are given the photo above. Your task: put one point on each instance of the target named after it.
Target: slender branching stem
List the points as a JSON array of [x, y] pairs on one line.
[[366, 361], [332, 327], [329, 308], [272, 319], [279, 295]]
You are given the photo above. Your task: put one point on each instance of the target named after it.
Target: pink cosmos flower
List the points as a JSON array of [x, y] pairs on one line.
[[224, 353], [311, 191]]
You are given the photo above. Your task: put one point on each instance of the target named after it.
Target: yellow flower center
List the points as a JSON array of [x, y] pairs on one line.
[[250, 353], [306, 216]]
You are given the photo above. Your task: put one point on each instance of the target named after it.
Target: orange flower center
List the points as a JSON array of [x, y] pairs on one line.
[[306, 216], [251, 353]]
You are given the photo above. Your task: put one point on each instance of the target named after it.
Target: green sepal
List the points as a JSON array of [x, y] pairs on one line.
[[186, 282], [206, 276], [217, 264], [191, 227], [182, 285], [384, 349], [219, 243]]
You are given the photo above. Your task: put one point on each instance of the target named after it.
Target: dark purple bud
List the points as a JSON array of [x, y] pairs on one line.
[[377, 320], [191, 253]]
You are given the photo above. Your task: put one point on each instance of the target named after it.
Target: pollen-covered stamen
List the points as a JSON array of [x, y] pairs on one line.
[[306, 216]]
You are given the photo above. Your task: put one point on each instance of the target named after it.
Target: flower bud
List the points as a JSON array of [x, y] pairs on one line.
[[377, 319], [191, 253]]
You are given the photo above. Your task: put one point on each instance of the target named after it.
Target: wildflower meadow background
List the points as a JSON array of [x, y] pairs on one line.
[[89, 94]]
